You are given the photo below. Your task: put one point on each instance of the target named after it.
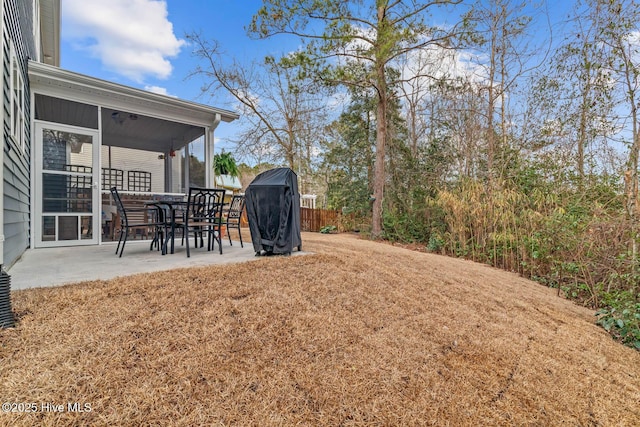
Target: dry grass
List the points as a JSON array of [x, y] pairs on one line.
[[360, 333]]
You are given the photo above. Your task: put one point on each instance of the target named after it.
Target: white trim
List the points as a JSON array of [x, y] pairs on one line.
[[16, 83], [208, 157], [60, 83], [97, 184], [35, 5], [32, 169], [209, 146]]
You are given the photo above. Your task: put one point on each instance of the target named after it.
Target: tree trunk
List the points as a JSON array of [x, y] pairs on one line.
[[631, 184], [381, 123], [491, 108], [379, 170]]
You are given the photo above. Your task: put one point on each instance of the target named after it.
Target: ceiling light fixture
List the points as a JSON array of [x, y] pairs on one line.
[[117, 117]]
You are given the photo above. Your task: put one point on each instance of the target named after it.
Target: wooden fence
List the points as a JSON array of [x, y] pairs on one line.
[[315, 219], [310, 219]]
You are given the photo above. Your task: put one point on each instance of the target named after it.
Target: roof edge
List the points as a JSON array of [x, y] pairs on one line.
[[37, 69]]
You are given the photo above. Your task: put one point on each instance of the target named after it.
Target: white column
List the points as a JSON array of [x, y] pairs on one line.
[[208, 151], [208, 157], [97, 177]]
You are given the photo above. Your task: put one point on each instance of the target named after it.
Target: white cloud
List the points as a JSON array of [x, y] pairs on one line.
[[131, 37], [159, 90]]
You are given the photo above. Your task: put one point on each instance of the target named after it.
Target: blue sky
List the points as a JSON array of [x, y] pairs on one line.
[[141, 43]]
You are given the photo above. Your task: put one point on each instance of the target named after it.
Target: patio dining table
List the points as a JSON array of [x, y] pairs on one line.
[[173, 209], [174, 215]]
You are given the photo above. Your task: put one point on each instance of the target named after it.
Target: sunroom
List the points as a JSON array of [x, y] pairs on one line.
[[90, 135]]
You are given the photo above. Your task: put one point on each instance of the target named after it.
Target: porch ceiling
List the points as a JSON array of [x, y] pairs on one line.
[[124, 129], [130, 117]]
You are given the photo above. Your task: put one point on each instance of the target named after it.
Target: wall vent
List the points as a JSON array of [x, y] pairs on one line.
[[6, 315]]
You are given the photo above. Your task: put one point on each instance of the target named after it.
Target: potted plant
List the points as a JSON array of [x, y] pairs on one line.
[[225, 164], [226, 172]]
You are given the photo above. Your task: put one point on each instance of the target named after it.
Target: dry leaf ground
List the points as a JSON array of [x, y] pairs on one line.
[[359, 333]]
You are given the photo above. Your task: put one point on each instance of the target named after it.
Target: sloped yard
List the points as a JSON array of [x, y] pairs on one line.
[[360, 333]]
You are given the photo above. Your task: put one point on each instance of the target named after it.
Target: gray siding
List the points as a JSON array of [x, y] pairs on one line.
[[18, 22]]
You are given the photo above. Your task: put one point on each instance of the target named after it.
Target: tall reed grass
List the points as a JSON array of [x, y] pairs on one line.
[[574, 238], [578, 242], [558, 239]]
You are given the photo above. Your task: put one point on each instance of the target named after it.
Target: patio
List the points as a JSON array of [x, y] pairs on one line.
[[57, 266]]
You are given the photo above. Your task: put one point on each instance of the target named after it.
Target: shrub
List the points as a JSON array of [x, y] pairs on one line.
[[328, 229], [622, 320]]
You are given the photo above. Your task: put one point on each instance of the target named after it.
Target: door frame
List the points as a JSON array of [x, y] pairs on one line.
[[36, 194]]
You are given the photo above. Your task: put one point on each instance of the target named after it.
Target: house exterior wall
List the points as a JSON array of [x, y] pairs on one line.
[[129, 159], [17, 31]]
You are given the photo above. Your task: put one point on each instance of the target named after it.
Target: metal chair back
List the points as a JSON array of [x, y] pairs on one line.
[[233, 216], [204, 215], [141, 217]]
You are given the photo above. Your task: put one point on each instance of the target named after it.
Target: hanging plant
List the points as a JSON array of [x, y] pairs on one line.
[[225, 164]]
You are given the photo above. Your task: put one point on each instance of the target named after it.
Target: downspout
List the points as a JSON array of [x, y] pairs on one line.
[[208, 151]]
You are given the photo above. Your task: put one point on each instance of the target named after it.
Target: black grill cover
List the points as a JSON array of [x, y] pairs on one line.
[[273, 211]]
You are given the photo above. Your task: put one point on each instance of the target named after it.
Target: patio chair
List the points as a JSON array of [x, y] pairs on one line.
[[143, 218], [233, 217], [204, 215]]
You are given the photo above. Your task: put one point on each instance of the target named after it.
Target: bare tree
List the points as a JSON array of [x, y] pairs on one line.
[[283, 112], [622, 36], [500, 31]]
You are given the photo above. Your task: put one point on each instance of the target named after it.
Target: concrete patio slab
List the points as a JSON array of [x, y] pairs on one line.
[[58, 266]]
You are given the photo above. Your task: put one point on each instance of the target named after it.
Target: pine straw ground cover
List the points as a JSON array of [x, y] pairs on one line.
[[358, 333]]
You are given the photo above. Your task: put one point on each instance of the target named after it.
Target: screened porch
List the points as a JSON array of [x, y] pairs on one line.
[[91, 135]]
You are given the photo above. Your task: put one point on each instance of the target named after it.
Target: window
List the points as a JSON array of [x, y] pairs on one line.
[[17, 101]]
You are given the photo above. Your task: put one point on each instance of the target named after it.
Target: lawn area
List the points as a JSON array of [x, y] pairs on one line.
[[357, 333]]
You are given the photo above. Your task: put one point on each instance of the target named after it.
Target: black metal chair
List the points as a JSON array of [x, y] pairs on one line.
[[204, 215], [137, 218], [233, 217]]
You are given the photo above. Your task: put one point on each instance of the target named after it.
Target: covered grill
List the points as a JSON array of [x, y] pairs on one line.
[[273, 212]]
